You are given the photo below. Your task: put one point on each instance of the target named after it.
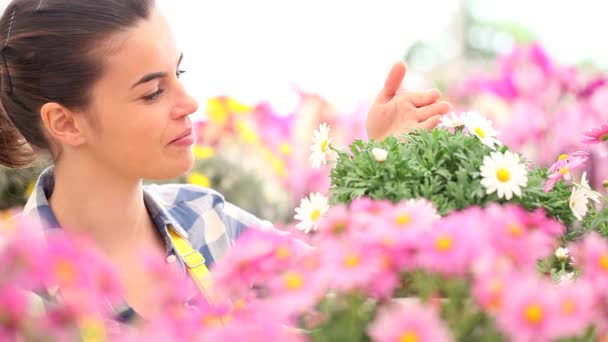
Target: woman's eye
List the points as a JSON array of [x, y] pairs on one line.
[[153, 96], [179, 73]]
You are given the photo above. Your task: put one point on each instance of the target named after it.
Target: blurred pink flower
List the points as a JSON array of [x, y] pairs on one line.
[[577, 308], [409, 321], [530, 310], [520, 236], [562, 168], [596, 135], [13, 310], [454, 244], [591, 255]]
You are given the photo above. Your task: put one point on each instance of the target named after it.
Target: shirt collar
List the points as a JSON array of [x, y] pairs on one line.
[[37, 208]]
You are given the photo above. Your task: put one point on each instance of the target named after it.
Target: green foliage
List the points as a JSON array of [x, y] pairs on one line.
[[444, 168]]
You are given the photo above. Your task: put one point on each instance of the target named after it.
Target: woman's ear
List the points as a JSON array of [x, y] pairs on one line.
[[62, 125]]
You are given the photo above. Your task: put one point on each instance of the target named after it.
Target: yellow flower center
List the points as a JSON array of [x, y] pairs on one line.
[[515, 229], [444, 243], [92, 329], [503, 175], [285, 148], [351, 260], [215, 320], [533, 313], [480, 132], [65, 272], [315, 215], [562, 157], [604, 137], [568, 306], [339, 227], [604, 262], [240, 304], [282, 253], [324, 145], [403, 219], [563, 171], [293, 280], [409, 336]]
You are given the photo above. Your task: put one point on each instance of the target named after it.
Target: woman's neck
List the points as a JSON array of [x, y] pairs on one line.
[[102, 205]]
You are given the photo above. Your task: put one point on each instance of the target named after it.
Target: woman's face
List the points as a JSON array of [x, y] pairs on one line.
[[138, 121]]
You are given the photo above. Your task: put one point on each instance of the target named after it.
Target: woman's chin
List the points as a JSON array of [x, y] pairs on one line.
[[171, 169]]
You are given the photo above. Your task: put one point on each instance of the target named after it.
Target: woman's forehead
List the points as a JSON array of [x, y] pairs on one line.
[[147, 47]]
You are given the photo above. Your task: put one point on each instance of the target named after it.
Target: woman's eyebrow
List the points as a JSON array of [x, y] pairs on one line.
[[155, 75]]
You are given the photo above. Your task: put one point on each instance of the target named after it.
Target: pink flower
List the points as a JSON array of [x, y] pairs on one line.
[[562, 168], [596, 135], [257, 256], [520, 236], [454, 244], [409, 321], [336, 224], [490, 283], [13, 310], [591, 254], [398, 230], [529, 311], [576, 302], [365, 211], [349, 266]]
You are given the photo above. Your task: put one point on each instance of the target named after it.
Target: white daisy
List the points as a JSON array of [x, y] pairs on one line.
[[566, 279], [320, 145], [452, 121], [310, 211], [380, 154], [482, 128], [591, 194], [504, 174], [579, 202], [579, 199], [562, 253]]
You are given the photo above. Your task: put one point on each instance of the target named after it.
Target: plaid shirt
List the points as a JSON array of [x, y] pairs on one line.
[[200, 215]]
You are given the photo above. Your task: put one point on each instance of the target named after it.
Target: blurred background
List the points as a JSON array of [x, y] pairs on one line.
[[267, 72]]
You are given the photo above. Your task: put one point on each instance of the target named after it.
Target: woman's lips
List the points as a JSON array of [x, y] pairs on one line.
[[184, 139]]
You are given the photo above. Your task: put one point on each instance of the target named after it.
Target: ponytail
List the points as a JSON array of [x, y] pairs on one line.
[[15, 152]]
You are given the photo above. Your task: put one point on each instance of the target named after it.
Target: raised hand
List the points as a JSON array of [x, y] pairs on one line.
[[395, 112]]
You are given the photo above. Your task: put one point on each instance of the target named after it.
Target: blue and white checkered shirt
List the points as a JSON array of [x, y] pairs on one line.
[[201, 215]]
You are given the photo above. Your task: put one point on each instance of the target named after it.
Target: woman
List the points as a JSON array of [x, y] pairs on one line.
[[96, 84]]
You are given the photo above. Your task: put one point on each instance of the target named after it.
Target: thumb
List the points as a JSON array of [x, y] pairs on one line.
[[393, 81]]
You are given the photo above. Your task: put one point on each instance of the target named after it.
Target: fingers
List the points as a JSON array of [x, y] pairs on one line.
[[431, 122], [393, 81], [437, 108], [424, 98]]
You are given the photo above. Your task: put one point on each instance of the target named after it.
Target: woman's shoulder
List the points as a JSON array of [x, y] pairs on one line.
[[193, 200]]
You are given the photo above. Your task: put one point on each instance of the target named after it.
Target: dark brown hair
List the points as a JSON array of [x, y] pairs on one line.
[[52, 52]]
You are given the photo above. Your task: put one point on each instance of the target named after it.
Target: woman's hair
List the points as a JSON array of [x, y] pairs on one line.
[[52, 51]]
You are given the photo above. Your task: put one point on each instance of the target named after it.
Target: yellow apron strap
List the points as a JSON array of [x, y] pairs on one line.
[[195, 263]]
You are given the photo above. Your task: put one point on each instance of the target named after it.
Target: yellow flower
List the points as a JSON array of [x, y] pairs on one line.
[[236, 107], [203, 152], [199, 179], [246, 132]]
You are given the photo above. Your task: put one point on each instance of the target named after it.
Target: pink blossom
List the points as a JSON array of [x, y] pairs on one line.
[[562, 168], [13, 310], [521, 236], [596, 135], [576, 302], [454, 244], [257, 256], [409, 321], [350, 266], [591, 254], [530, 310]]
